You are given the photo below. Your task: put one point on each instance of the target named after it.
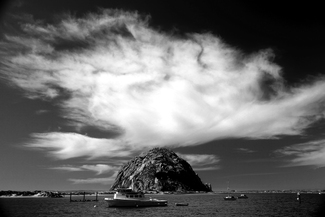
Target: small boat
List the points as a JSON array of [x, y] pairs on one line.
[[242, 196], [181, 204], [229, 198], [126, 197]]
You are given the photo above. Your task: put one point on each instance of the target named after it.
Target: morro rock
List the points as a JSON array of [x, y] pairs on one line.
[[159, 169]]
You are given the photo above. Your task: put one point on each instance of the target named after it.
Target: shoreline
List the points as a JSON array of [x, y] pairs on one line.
[[23, 197]]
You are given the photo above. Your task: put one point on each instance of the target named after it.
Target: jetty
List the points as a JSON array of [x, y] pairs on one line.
[[84, 198]]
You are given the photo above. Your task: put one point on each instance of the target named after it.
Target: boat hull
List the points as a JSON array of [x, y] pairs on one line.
[[135, 203], [229, 198], [181, 204], [242, 196]]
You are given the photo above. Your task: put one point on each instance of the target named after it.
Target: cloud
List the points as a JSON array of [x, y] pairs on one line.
[[114, 72], [305, 154], [72, 145], [201, 162], [98, 168], [68, 168], [250, 174], [103, 181], [42, 111], [246, 150]]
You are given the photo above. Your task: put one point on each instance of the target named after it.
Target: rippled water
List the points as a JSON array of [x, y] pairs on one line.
[[199, 205]]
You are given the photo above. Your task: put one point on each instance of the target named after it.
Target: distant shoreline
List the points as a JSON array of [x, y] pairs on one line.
[[22, 197]]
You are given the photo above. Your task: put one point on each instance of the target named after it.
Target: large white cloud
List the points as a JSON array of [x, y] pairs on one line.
[[113, 72]]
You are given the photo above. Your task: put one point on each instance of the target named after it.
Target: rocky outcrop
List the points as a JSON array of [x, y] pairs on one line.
[[159, 169]]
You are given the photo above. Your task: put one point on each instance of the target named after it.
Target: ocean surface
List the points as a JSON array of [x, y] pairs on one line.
[[199, 205]]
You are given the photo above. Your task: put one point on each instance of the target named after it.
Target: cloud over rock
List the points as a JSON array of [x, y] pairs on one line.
[[113, 72]]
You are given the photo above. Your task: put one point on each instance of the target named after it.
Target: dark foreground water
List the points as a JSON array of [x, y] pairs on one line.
[[199, 205]]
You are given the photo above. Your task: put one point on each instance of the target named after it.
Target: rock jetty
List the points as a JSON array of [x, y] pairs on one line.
[[158, 170]]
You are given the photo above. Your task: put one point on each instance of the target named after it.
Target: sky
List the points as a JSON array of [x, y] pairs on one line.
[[237, 89]]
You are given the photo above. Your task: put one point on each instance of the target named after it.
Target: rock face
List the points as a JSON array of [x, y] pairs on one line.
[[159, 169]]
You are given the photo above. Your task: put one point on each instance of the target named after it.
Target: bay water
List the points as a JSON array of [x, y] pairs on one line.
[[262, 204]]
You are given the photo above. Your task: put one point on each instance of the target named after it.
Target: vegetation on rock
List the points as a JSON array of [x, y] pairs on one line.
[[159, 169]]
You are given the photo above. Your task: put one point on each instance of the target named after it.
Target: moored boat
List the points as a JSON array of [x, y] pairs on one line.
[[229, 197], [181, 204], [126, 197], [242, 196]]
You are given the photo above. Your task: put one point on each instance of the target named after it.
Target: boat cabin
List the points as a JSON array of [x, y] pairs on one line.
[[128, 193]]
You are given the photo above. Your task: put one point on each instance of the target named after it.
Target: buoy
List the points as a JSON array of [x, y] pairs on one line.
[[95, 206], [298, 197]]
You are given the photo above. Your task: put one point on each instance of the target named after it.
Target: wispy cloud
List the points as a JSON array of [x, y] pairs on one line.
[[250, 174], [71, 145], [201, 161], [246, 150], [40, 112], [98, 168], [113, 72], [305, 154], [68, 168], [103, 181]]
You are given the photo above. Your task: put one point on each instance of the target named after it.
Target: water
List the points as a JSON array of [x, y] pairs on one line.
[[199, 205]]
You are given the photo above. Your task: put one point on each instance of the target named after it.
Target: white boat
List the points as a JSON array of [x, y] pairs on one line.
[[242, 196], [126, 197], [229, 197]]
